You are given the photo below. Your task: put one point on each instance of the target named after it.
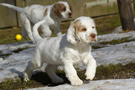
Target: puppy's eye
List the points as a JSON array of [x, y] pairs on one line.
[[93, 27], [64, 9], [84, 29]]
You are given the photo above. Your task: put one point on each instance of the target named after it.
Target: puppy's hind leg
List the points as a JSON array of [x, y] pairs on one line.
[[32, 65], [24, 33], [50, 70], [26, 26], [28, 71]]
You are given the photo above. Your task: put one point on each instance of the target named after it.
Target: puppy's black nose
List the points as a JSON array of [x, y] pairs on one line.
[[70, 15]]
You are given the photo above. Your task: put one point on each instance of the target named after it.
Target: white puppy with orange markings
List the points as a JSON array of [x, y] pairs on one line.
[[67, 50], [53, 14]]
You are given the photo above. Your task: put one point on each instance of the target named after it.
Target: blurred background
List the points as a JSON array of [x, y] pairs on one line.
[[104, 12], [9, 17]]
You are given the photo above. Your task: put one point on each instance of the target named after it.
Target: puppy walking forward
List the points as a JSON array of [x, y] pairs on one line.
[[53, 14], [67, 50]]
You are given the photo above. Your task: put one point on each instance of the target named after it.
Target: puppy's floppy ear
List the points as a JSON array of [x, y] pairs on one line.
[[55, 10], [72, 33]]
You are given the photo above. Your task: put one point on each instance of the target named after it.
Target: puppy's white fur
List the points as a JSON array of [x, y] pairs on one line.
[[35, 13], [67, 50]]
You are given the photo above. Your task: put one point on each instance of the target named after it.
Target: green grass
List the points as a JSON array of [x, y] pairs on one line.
[[117, 41], [10, 84], [118, 71], [8, 35], [41, 79], [107, 24]]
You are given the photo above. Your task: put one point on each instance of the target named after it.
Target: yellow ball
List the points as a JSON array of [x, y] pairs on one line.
[[18, 37]]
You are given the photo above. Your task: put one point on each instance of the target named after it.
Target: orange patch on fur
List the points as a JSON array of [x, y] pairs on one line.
[[57, 9], [78, 27]]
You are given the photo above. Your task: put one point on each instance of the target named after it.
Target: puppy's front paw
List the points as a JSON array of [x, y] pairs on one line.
[[76, 82], [89, 76]]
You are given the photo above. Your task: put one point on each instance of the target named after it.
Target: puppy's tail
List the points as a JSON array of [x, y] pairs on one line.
[[12, 7], [35, 33]]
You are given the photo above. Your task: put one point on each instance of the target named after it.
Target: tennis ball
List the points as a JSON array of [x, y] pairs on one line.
[[18, 37]]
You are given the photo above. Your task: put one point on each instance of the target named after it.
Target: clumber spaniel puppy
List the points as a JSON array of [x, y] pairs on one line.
[[67, 50], [53, 14]]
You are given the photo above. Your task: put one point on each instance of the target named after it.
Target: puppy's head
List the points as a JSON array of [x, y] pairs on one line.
[[82, 30], [62, 9]]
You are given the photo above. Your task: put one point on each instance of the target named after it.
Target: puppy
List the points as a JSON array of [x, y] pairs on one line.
[[53, 14], [67, 50]]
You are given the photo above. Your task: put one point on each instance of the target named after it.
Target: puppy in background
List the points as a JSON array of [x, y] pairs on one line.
[[67, 50], [52, 14]]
